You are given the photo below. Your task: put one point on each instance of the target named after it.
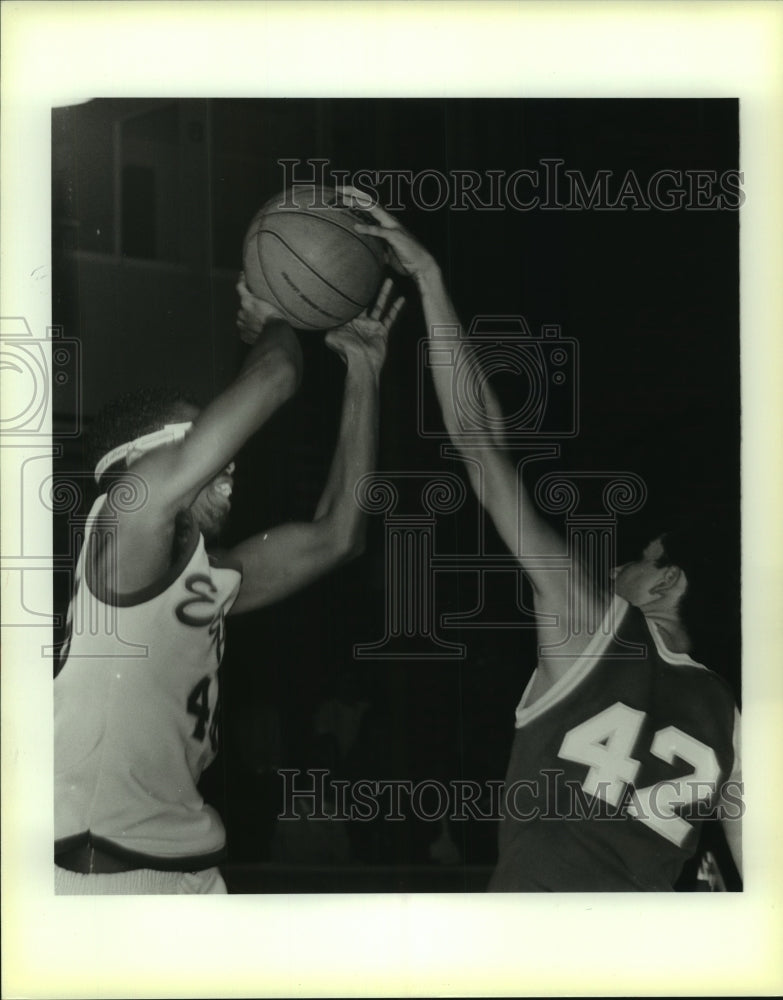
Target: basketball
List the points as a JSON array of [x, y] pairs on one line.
[[302, 255]]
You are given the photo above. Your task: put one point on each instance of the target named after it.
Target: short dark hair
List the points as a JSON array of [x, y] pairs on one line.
[[131, 415]]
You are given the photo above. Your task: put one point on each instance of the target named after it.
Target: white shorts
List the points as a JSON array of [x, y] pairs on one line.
[[139, 882]]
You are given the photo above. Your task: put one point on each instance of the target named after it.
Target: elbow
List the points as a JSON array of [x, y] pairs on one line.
[[349, 546], [352, 549], [357, 547]]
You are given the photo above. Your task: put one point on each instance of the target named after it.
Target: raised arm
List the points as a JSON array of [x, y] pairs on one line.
[[269, 376], [492, 474], [172, 476], [283, 559]]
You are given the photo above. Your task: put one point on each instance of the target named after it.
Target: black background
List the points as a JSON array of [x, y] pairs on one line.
[[144, 279]]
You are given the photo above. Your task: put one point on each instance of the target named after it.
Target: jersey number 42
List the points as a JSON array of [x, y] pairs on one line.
[[605, 743]]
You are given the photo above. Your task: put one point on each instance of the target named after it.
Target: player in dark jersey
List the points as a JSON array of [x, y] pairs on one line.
[[623, 742], [136, 696]]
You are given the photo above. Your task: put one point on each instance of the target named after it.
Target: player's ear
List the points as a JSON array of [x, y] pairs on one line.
[[671, 578]]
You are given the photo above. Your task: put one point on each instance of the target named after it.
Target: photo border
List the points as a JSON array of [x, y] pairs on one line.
[[399, 944]]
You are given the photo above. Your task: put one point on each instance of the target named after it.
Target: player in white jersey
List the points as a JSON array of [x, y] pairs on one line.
[[136, 696], [652, 740]]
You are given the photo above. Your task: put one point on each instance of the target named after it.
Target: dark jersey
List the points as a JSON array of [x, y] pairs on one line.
[[613, 768]]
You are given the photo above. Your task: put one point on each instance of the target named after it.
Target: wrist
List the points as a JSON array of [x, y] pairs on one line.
[[429, 276], [269, 331], [277, 338], [277, 326], [364, 365]]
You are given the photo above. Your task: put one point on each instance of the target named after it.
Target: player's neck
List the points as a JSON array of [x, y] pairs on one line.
[[184, 529], [671, 630]]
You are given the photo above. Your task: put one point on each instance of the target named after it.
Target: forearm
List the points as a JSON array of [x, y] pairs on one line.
[[492, 473], [338, 514], [280, 561], [435, 298], [284, 559], [276, 350], [440, 313], [268, 377]]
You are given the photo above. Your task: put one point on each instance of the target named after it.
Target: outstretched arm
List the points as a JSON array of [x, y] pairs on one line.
[[493, 476], [281, 560]]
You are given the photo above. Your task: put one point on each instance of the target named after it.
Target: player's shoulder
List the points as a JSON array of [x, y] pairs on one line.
[[685, 673], [710, 686], [688, 672], [696, 699]]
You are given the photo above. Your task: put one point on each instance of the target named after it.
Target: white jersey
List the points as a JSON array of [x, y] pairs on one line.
[[135, 711]]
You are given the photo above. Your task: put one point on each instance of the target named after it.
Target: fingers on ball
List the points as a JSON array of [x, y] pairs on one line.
[[380, 301]]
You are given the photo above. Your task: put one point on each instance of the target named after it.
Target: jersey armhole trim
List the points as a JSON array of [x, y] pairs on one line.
[[583, 664], [151, 590], [676, 659]]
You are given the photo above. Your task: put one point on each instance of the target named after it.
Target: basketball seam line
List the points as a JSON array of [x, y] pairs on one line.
[[312, 269], [261, 268], [329, 222], [298, 321]]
